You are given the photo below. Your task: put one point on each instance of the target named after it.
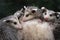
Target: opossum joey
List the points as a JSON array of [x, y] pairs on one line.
[[31, 12]]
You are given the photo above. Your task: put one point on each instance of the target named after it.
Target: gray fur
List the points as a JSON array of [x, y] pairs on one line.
[[9, 31]]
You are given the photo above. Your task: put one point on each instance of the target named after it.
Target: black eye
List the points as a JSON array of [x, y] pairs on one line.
[[45, 13], [43, 10], [57, 16], [51, 15], [15, 23], [27, 15], [33, 11]]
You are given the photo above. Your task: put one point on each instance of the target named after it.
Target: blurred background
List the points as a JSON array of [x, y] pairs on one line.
[[8, 7]]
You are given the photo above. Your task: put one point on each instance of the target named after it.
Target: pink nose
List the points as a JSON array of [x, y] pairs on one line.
[[46, 18], [20, 28], [23, 19]]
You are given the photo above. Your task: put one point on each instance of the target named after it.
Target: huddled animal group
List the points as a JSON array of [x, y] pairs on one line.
[[30, 23]]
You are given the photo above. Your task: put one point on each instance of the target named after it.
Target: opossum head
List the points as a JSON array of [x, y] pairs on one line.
[[19, 13], [31, 12], [13, 22], [58, 15], [48, 15]]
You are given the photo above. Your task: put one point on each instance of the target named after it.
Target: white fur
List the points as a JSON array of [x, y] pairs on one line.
[[42, 7], [47, 14], [34, 30], [35, 9], [31, 15], [58, 14], [12, 19]]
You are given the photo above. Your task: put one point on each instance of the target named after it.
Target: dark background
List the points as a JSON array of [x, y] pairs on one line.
[[8, 7]]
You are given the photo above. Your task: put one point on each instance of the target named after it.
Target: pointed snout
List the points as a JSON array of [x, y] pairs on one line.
[[46, 18], [19, 27]]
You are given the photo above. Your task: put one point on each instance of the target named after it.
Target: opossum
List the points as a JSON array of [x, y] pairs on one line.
[[49, 15], [57, 29], [10, 28], [33, 28], [31, 12], [52, 18]]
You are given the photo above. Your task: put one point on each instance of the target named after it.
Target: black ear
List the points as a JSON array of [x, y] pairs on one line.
[[33, 11], [57, 15], [20, 15], [23, 10], [7, 21], [43, 9]]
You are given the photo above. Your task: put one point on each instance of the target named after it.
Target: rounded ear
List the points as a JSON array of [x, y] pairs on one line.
[[7, 21], [33, 11], [43, 9], [57, 16]]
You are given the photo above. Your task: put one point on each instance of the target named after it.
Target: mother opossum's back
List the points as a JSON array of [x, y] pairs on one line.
[[33, 30]]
